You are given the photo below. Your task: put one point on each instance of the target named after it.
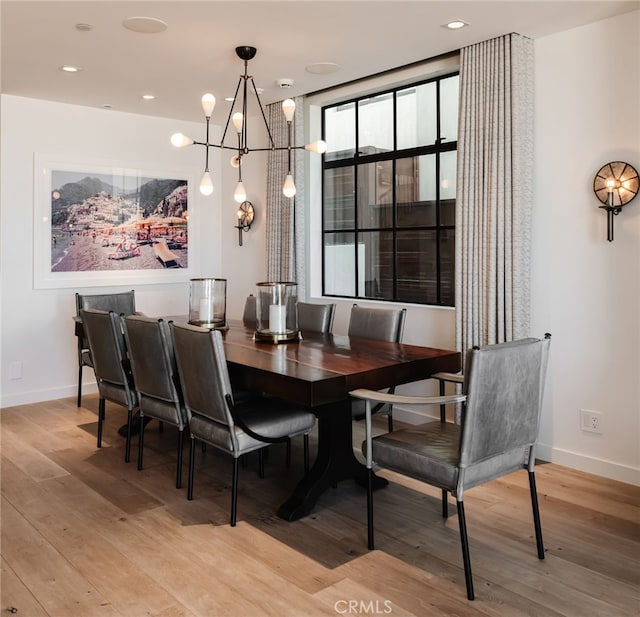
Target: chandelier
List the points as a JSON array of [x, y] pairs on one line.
[[238, 120]]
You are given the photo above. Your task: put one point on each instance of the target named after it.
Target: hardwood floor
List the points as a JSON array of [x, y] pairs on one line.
[[85, 534]]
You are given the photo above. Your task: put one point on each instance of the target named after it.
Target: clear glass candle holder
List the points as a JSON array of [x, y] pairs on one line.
[[276, 312], [208, 303]]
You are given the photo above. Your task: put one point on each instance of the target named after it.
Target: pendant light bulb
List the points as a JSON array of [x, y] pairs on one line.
[[289, 108], [234, 161], [179, 140], [240, 194], [289, 188], [237, 120], [319, 147], [206, 183], [208, 103]]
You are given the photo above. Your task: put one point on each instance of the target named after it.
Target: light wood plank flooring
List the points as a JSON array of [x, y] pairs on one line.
[[85, 534]]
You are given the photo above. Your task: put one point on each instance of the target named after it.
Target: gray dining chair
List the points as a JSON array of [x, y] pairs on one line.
[[503, 393], [111, 366], [215, 419], [316, 318], [123, 303], [383, 325], [155, 374]]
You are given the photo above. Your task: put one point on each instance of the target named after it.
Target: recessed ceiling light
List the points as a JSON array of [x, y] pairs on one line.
[[107, 106], [84, 27], [322, 68], [68, 68], [144, 25], [148, 97], [456, 24]]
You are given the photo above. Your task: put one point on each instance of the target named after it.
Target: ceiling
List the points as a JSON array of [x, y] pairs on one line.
[[195, 54]]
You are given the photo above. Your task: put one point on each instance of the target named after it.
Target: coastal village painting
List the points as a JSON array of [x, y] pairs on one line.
[[109, 222]]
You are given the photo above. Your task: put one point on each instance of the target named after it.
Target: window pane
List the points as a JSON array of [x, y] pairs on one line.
[[375, 250], [375, 195], [417, 268], [340, 131], [448, 188], [449, 108], [339, 198], [416, 116], [375, 124], [447, 267], [416, 190], [340, 264]]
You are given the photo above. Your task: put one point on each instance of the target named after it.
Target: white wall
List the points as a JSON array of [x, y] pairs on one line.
[[586, 291], [36, 328]]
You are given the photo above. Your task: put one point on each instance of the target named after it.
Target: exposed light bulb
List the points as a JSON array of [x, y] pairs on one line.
[[180, 141], [319, 147], [234, 161], [289, 108], [206, 184], [240, 194], [237, 120], [208, 103], [289, 187]]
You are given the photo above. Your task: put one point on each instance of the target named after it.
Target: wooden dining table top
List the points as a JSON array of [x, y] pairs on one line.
[[323, 369]]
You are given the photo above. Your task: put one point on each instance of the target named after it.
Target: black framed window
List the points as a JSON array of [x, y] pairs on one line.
[[388, 199]]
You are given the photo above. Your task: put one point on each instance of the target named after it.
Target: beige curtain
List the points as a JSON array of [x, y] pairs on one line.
[[285, 217], [494, 191]]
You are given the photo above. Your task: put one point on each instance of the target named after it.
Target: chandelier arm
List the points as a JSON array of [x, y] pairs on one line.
[[226, 126], [264, 118]]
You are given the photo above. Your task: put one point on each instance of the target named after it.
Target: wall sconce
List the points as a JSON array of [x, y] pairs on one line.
[[245, 214], [615, 185]]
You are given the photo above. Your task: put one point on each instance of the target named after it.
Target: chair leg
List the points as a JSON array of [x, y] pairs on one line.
[[127, 447], [445, 504], [140, 442], [101, 404], [390, 421], [443, 408], [370, 543], [288, 452], [80, 385], [261, 462], [192, 459], [160, 427], [465, 549], [179, 465], [306, 452], [234, 493], [536, 514]]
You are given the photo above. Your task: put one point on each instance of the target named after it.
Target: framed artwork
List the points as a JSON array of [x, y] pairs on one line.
[[110, 225]]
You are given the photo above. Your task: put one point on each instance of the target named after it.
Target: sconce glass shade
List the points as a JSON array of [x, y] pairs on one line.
[[208, 303], [276, 312], [616, 184]]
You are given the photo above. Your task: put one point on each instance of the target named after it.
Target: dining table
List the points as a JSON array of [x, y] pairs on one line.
[[318, 372]]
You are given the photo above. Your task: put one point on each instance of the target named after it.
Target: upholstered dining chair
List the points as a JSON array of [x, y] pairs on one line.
[[503, 393], [316, 318], [120, 303], [215, 419], [382, 325], [155, 375], [111, 366]]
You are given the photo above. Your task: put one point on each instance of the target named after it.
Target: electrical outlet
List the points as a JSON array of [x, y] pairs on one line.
[[591, 421]]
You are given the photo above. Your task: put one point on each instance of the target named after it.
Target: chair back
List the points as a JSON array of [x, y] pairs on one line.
[[106, 342], [504, 384], [120, 303], [380, 324], [154, 369], [204, 376], [315, 317]]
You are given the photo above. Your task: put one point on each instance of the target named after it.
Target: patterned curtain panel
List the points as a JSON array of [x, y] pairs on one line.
[[285, 217], [494, 191]]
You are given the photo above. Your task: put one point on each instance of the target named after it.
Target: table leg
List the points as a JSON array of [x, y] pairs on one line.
[[335, 461]]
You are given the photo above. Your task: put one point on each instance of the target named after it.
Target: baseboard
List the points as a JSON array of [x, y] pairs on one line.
[[574, 460], [39, 396]]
